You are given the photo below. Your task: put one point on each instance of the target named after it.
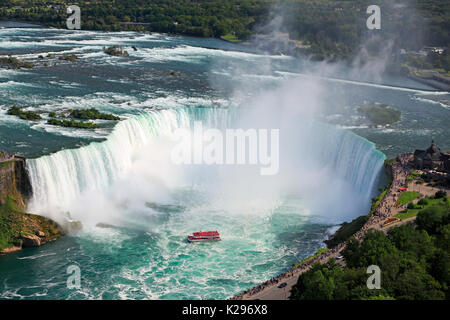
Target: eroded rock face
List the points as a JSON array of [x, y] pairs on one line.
[[30, 241], [14, 180], [23, 183]]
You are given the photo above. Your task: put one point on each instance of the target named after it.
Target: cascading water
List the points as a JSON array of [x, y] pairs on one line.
[[59, 178], [127, 181], [345, 166]]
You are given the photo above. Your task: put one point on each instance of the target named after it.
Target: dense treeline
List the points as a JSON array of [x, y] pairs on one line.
[[196, 18], [432, 61], [414, 263], [329, 28], [338, 28]]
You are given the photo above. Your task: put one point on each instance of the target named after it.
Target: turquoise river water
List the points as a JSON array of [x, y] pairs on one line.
[[330, 160]]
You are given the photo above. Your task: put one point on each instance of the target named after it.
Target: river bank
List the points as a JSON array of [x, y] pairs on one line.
[[254, 46], [433, 82], [270, 289]]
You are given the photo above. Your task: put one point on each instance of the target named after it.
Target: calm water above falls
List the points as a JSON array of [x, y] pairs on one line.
[[266, 224]]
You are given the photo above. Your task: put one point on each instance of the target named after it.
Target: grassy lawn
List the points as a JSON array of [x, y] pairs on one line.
[[405, 214], [230, 37], [407, 197], [412, 176]]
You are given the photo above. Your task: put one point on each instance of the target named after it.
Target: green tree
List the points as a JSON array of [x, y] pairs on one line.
[[432, 218]]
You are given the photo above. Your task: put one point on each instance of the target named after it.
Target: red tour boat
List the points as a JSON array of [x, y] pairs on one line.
[[204, 236]]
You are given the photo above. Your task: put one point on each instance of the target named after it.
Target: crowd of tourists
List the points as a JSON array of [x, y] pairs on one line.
[[384, 210], [297, 269], [400, 172], [6, 156]]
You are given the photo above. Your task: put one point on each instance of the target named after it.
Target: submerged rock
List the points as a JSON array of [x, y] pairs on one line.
[[164, 208], [68, 57], [14, 63], [104, 225], [72, 225], [116, 50], [29, 241]]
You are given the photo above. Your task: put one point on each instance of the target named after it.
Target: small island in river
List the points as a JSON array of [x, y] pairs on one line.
[[380, 114]]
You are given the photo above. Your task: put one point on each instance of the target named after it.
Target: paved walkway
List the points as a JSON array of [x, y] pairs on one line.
[[270, 290], [427, 190], [6, 157], [275, 293]]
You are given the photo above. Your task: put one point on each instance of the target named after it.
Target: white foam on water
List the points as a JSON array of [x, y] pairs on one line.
[[13, 84], [442, 104], [191, 54], [359, 83], [353, 127], [71, 132], [37, 256]]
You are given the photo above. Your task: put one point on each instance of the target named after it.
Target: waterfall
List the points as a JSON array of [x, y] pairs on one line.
[[353, 158], [60, 178]]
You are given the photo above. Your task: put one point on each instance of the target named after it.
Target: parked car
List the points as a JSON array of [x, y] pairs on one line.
[[281, 286]]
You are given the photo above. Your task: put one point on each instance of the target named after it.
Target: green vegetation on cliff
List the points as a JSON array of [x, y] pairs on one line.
[[318, 253], [414, 263], [16, 225], [17, 228], [381, 114], [346, 231]]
